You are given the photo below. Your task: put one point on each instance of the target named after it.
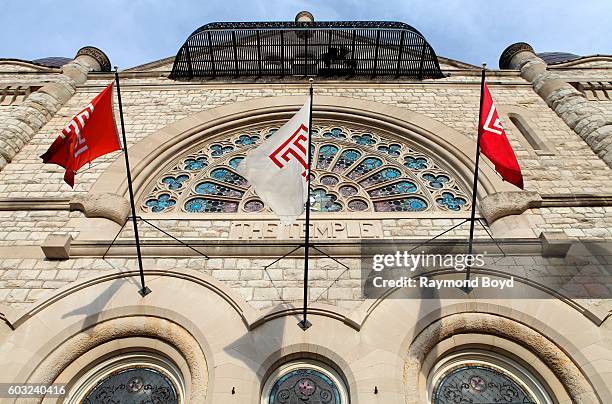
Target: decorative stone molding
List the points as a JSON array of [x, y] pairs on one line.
[[12, 204], [563, 367], [106, 205], [555, 244], [98, 55], [57, 246], [591, 122], [500, 204], [121, 328]]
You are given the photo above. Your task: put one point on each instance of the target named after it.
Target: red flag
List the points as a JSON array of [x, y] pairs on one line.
[[89, 135], [495, 145]]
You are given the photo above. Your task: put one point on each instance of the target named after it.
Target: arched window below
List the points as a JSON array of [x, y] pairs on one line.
[[130, 378], [305, 381], [480, 377]]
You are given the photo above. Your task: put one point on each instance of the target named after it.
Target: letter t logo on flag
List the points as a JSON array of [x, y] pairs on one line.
[[495, 144], [89, 135], [278, 168]]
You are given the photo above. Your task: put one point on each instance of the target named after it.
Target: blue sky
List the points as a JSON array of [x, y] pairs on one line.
[[139, 31]]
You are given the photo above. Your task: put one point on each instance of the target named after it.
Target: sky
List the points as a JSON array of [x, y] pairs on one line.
[[133, 32]]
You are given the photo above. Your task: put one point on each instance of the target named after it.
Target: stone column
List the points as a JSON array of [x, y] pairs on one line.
[[590, 122], [40, 106]]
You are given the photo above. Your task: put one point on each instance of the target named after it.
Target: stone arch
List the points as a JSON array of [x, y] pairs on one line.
[[106, 310], [313, 352], [148, 156], [576, 385], [105, 333]]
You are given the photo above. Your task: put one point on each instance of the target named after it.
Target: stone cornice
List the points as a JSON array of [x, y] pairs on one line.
[[15, 204]]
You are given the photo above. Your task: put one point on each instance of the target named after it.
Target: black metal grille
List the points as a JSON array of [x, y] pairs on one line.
[[328, 49]]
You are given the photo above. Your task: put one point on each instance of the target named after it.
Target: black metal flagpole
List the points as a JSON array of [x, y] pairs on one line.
[[475, 184], [144, 290], [305, 324]]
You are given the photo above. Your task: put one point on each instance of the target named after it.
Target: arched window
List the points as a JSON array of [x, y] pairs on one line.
[[484, 377], [355, 170], [537, 144], [134, 377], [305, 381]]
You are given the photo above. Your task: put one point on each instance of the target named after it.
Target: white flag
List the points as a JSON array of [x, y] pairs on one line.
[[277, 169]]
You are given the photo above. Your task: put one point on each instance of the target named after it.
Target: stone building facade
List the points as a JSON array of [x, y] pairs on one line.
[[393, 162]]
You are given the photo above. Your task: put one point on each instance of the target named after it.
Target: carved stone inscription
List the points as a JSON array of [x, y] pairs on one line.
[[320, 229]]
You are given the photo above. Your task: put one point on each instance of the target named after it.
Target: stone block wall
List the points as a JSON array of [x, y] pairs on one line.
[[150, 103], [147, 110], [32, 227]]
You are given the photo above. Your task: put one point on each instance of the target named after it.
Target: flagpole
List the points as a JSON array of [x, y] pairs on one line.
[[144, 290], [305, 324], [475, 184]]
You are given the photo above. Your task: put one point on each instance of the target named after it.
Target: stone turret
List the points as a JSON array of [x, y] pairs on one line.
[[592, 123], [41, 105]]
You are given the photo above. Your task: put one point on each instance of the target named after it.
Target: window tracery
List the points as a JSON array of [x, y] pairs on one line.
[[356, 170], [305, 381], [477, 376]]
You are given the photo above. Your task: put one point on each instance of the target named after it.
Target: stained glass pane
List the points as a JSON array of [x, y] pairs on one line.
[[346, 159], [175, 183], [335, 133], [137, 385], [388, 174], [479, 385], [161, 203], [246, 140], [348, 190], [401, 205], [195, 163], [451, 201], [218, 150], [415, 163], [209, 188], [436, 181], [392, 149], [329, 180], [358, 205], [365, 139], [321, 201], [366, 165], [305, 386], [235, 161], [200, 205], [254, 206], [402, 187], [224, 175], [326, 155]]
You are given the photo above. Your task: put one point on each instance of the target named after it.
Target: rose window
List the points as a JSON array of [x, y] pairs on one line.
[[355, 170]]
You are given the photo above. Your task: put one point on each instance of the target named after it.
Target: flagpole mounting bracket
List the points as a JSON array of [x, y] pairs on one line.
[[304, 324]]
